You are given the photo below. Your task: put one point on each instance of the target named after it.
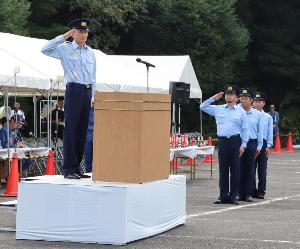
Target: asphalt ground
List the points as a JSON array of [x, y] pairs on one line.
[[270, 223]]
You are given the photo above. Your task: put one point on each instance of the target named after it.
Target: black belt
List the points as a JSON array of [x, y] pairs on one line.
[[252, 140], [229, 137], [78, 85]]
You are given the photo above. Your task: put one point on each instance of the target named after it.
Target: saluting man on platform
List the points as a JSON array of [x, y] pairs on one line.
[[79, 64], [232, 130]]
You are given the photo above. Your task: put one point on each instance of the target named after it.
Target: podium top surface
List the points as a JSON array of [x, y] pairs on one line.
[[132, 97]]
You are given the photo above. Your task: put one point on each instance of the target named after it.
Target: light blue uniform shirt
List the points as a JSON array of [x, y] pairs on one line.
[[230, 120], [79, 64], [268, 128], [255, 124]]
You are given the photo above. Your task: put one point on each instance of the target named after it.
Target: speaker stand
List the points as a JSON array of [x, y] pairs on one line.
[[179, 114], [174, 118]]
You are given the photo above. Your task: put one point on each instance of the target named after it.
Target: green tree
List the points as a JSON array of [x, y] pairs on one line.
[[110, 19], [207, 30], [13, 16], [274, 54]]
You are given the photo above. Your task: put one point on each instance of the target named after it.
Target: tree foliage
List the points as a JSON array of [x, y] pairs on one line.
[[13, 16], [274, 53], [254, 43], [109, 19], [207, 30]]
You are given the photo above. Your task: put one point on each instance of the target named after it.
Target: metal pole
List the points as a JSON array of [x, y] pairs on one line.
[[7, 126], [40, 123], [201, 119], [179, 116], [15, 77], [147, 78], [34, 117], [174, 119]]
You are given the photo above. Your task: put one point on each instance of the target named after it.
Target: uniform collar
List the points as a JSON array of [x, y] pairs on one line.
[[251, 110], [233, 107], [75, 45]]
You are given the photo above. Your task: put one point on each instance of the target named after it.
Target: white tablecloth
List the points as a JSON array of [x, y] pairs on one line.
[[191, 151], [40, 151]]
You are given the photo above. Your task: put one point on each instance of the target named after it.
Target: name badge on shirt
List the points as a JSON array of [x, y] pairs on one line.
[[222, 114], [75, 73]]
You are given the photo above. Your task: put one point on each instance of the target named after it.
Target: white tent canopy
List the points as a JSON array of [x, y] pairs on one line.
[[115, 73]]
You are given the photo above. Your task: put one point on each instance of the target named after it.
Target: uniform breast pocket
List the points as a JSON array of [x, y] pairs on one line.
[[73, 63], [220, 119], [90, 64], [253, 122], [235, 121]]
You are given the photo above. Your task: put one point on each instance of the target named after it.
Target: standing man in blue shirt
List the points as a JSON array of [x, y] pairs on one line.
[[232, 130], [254, 145], [275, 117], [262, 159], [79, 64]]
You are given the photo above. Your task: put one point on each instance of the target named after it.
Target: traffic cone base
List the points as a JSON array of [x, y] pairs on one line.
[[13, 179], [289, 146], [277, 147], [209, 159], [50, 168]]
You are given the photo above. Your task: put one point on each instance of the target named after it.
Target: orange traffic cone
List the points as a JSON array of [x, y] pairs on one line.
[[50, 167], [289, 146], [277, 148], [209, 158], [13, 179]]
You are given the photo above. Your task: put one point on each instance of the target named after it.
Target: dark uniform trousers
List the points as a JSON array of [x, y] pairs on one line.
[[77, 109], [247, 169], [261, 168], [229, 161]]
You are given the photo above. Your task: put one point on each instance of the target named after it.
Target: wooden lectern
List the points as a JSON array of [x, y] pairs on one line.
[[131, 137]]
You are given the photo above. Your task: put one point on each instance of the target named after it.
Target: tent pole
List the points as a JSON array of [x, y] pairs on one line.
[[7, 125], [201, 119], [34, 100], [48, 118], [179, 117]]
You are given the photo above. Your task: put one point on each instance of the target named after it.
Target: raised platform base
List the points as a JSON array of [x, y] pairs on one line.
[[56, 209]]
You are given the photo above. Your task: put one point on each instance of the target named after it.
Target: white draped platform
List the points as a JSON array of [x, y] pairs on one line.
[[56, 209]]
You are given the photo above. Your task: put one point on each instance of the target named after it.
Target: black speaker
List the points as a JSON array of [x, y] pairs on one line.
[[180, 92]]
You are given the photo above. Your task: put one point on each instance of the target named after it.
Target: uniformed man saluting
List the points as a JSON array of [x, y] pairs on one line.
[[79, 64], [232, 130]]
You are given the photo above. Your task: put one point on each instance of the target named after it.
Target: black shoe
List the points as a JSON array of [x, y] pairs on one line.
[[234, 202], [220, 202], [84, 176], [72, 176], [259, 196], [249, 199]]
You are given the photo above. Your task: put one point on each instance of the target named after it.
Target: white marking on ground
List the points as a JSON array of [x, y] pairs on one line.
[[242, 206], [296, 183], [259, 221], [231, 239]]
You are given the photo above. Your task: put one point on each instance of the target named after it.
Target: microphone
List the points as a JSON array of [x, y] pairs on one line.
[[145, 62], [36, 139], [32, 135]]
